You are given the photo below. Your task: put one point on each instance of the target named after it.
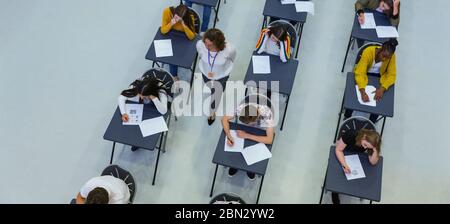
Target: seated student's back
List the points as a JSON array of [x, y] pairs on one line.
[[116, 188]]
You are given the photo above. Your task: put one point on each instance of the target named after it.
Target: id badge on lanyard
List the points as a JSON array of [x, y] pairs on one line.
[[211, 65]]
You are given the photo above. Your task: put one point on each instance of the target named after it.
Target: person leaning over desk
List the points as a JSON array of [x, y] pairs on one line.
[[357, 141], [178, 18], [376, 61], [389, 7], [275, 40], [145, 90], [255, 115]]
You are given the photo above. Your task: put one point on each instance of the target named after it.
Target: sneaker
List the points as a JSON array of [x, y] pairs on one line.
[[134, 148], [232, 172], [251, 176]]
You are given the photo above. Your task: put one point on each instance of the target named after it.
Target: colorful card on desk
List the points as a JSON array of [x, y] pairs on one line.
[[153, 126], [163, 48], [261, 64], [134, 112], [256, 153]]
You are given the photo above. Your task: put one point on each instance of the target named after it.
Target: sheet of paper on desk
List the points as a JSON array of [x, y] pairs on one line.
[[386, 32], [238, 145], [355, 166], [261, 64], [370, 92], [163, 48], [284, 2], [369, 22], [134, 112], [304, 6], [153, 126], [256, 153]]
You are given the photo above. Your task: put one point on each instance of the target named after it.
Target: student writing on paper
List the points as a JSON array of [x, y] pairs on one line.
[[357, 141], [275, 40], [206, 15], [146, 90], [179, 18], [256, 115], [104, 190], [216, 63], [389, 7], [376, 61]]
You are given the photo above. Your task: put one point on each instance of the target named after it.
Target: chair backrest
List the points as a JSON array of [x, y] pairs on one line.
[[355, 124], [361, 50], [290, 29], [164, 78], [124, 175], [197, 20], [227, 198]]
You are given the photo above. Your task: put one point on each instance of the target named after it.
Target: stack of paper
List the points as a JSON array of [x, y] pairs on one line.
[[134, 112], [304, 6], [369, 22], [370, 91], [163, 48], [284, 2], [153, 126], [355, 166], [386, 32], [261, 64], [256, 153], [238, 143]]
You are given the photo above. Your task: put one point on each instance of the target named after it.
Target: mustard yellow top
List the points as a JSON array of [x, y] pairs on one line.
[[388, 70], [167, 26]]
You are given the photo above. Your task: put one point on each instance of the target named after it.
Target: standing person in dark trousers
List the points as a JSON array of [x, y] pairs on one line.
[[216, 63]]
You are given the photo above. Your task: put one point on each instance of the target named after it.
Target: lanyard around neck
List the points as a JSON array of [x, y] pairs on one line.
[[211, 65]]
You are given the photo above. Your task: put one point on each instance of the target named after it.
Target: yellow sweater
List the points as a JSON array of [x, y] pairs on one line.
[[167, 26], [388, 70]]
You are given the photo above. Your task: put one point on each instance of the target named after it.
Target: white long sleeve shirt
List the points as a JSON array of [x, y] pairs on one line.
[[160, 104], [223, 63]]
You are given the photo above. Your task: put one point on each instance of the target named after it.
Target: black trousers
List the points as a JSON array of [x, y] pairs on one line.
[[212, 85]]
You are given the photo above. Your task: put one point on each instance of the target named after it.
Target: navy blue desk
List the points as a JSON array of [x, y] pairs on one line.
[[384, 108], [367, 34], [274, 9], [184, 51], [368, 188], [215, 4], [235, 159], [283, 73], [131, 134]]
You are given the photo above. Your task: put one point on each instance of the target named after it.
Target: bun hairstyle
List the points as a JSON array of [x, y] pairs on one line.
[[390, 46]]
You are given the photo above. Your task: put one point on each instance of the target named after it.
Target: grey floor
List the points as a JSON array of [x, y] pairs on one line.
[[63, 64]]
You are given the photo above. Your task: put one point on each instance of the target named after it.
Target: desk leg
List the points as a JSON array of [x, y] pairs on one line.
[[157, 158], [285, 110], [371, 201], [299, 38], [323, 187], [217, 14], [346, 53], [193, 69], [382, 128], [339, 120], [112, 153], [260, 187], [214, 181]]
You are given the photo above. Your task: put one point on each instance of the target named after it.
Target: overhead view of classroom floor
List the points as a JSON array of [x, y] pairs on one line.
[[63, 65]]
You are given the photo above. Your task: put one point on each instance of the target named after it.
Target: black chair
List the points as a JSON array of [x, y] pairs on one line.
[[355, 123], [227, 198], [124, 175], [290, 29]]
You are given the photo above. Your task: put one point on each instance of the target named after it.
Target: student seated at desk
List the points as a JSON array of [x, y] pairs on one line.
[[275, 40], [389, 7], [206, 15], [144, 90], [179, 18], [251, 114], [376, 61], [357, 141], [104, 190]]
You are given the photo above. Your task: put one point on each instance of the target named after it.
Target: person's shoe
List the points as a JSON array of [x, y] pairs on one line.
[[211, 120], [232, 172], [251, 176], [134, 148], [335, 199]]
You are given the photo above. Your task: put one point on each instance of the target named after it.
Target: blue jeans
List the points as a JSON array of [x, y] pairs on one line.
[[173, 70], [206, 15]]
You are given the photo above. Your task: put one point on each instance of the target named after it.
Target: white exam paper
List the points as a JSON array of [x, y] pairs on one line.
[[304, 6], [370, 92], [355, 166], [256, 153], [134, 112], [163, 48], [285, 2], [261, 64], [369, 21], [238, 145], [153, 126], [386, 32]]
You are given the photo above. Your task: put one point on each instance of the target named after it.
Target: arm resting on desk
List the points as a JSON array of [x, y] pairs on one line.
[[226, 125], [374, 158], [161, 103], [361, 69], [340, 146], [389, 75]]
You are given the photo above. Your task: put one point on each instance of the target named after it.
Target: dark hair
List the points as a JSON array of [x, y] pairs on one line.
[[217, 37], [389, 46], [146, 86], [185, 13], [249, 114], [279, 32], [98, 195], [390, 3]]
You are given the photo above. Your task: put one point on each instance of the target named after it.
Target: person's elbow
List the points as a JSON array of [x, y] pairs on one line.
[[374, 161]]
